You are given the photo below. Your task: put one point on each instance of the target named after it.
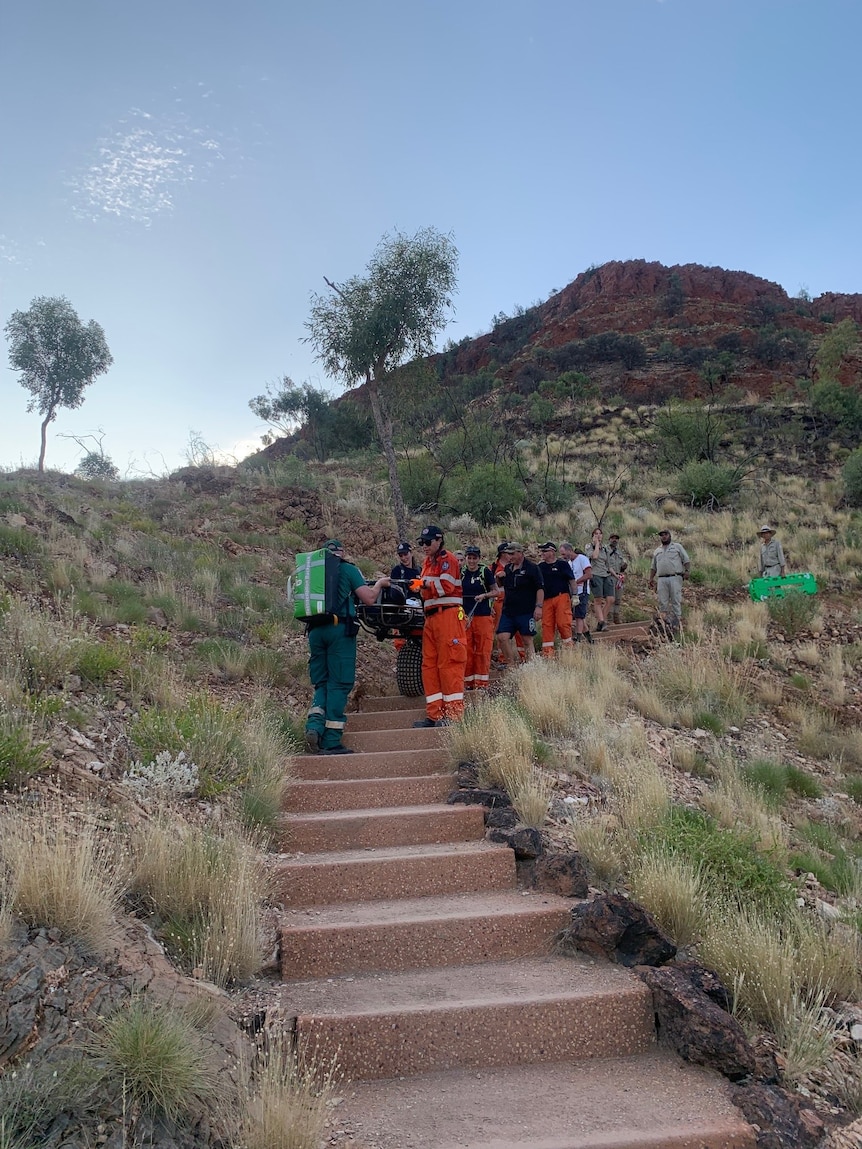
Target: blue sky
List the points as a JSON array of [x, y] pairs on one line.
[[186, 172]]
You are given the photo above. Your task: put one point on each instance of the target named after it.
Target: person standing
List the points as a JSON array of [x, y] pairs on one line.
[[406, 569], [444, 639], [557, 604], [332, 658], [524, 594], [601, 579], [480, 592], [772, 563], [670, 567], [580, 566], [618, 562]]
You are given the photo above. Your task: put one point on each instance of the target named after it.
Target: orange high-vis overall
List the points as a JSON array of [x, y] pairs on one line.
[[444, 639], [556, 616]]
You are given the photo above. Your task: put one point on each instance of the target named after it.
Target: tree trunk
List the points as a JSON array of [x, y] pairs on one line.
[[45, 423], [384, 433]]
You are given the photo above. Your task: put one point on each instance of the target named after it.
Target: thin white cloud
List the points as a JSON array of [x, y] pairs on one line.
[[139, 168]]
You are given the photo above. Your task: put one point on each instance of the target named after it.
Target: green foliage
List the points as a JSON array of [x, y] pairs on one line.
[[17, 543], [834, 347], [95, 465], [772, 780], [851, 473], [421, 480], [325, 427], [56, 356], [489, 494], [20, 756], [707, 484], [97, 661], [156, 1056], [210, 735], [803, 783], [840, 407], [730, 861], [35, 1094], [688, 432], [793, 613], [673, 300]]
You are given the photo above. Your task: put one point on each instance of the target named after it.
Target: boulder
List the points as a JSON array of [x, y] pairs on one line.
[[697, 1028], [501, 818], [780, 1121], [616, 928], [562, 874], [479, 797]]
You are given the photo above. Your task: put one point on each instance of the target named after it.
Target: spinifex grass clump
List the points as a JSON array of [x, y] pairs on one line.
[[204, 885], [283, 1101], [157, 1059], [65, 872], [696, 685]]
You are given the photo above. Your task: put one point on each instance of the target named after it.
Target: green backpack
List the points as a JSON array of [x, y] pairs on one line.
[[313, 589]]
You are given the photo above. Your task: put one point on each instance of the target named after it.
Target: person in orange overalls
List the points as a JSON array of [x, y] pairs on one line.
[[444, 638], [560, 585], [480, 593]]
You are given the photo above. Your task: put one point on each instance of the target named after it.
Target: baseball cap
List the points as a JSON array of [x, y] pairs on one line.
[[766, 528], [404, 548], [430, 533], [472, 551], [501, 549], [512, 547], [548, 547], [612, 537], [334, 545]]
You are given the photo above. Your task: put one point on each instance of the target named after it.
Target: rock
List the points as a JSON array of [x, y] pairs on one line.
[[467, 776], [779, 1119], [828, 912], [157, 617], [562, 874], [524, 840], [479, 797], [616, 928], [501, 817], [698, 1029]]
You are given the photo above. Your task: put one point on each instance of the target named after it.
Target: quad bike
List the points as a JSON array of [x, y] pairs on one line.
[[399, 615]]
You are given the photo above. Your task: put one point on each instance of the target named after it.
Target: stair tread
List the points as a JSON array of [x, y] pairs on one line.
[[645, 1100], [514, 982], [391, 853], [309, 783], [379, 812], [402, 910]]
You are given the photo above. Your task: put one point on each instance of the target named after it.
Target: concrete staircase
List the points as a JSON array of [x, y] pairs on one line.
[[409, 954]]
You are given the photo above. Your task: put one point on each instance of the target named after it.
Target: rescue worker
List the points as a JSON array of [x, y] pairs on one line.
[[580, 566], [332, 658], [402, 575], [497, 605], [524, 593], [772, 563], [670, 567], [444, 640], [480, 593], [557, 605], [618, 562]]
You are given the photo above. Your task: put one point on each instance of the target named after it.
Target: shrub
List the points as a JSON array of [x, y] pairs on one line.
[[17, 543], [97, 661], [20, 756], [165, 777], [706, 484], [95, 465], [489, 493], [792, 613], [155, 1055]]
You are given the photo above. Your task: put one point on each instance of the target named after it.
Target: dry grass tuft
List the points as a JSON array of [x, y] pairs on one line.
[[64, 872], [530, 790], [207, 885], [492, 734], [604, 849], [283, 1101], [675, 893]]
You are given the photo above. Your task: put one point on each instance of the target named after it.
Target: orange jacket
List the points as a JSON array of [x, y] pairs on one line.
[[444, 585]]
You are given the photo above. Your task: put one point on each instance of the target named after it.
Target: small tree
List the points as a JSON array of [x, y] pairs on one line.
[[369, 325], [56, 355]]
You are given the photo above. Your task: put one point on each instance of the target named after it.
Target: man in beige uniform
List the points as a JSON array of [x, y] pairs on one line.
[[771, 554], [670, 566]]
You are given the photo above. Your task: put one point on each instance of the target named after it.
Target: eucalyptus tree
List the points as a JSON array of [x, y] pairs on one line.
[[363, 329], [56, 356]]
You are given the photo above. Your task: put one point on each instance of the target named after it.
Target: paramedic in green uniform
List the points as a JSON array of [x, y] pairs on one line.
[[332, 659]]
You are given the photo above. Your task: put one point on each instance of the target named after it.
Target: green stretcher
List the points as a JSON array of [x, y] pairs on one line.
[[760, 589]]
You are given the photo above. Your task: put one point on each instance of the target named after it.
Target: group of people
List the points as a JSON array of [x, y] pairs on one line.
[[468, 606]]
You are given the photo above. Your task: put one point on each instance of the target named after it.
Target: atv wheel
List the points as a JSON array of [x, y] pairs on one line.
[[408, 670]]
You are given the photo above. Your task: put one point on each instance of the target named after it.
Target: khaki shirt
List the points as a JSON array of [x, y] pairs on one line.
[[771, 558], [669, 560], [617, 559], [599, 561]]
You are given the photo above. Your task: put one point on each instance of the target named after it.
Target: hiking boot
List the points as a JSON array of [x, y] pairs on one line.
[[424, 723], [601, 625], [337, 750], [442, 722], [312, 742], [588, 637]]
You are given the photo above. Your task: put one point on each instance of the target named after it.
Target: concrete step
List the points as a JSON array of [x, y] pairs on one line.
[[372, 741], [406, 871], [382, 764], [480, 1016], [387, 719], [360, 829], [418, 933], [381, 702], [320, 797], [650, 1101]]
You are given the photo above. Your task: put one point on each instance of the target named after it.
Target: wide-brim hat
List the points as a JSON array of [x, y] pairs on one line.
[[766, 529]]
